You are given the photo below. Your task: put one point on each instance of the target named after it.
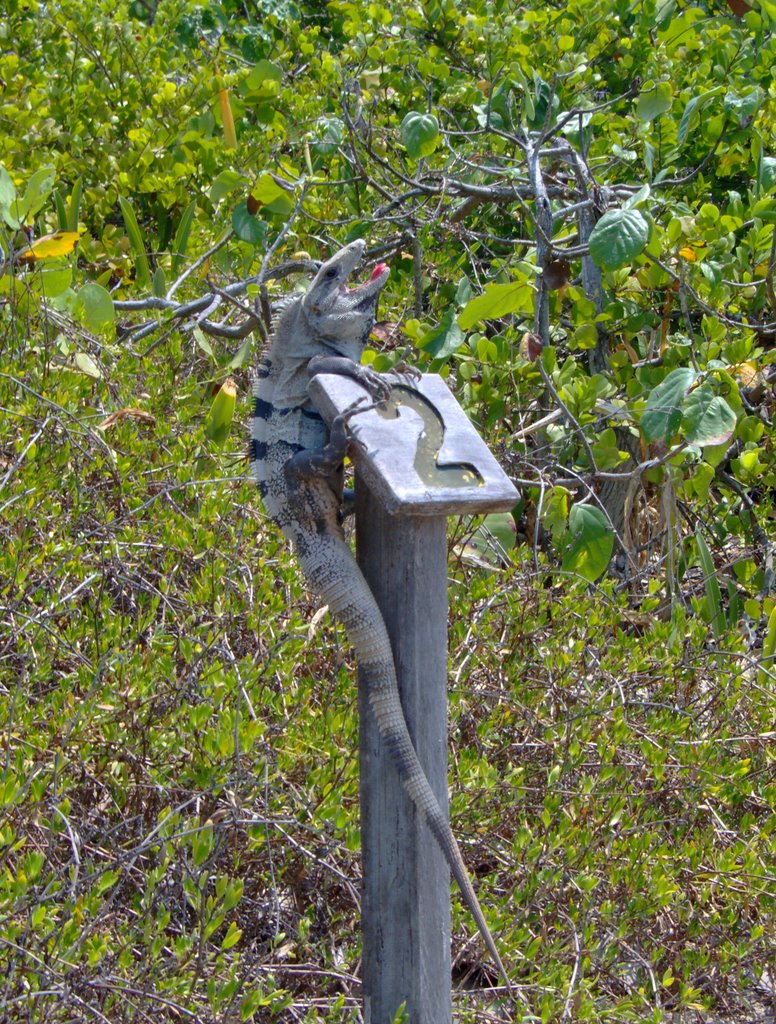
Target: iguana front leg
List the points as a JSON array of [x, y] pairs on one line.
[[326, 463], [372, 381]]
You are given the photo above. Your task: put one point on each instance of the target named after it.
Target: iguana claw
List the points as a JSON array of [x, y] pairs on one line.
[[375, 383], [401, 368]]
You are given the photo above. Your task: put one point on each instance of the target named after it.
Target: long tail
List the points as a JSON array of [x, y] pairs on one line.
[[340, 583]]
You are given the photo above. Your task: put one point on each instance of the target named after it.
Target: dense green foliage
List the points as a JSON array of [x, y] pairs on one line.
[[578, 204]]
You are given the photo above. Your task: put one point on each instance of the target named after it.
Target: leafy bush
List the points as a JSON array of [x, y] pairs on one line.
[[578, 207]]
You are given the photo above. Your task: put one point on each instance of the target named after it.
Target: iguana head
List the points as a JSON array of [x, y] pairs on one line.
[[340, 317]]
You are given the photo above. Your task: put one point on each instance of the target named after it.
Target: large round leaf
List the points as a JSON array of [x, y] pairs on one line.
[[445, 339], [707, 418], [497, 300], [618, 237], [420, 134], [663, 413], [589, 542], [654, 101], [246, 226], [94, 307]]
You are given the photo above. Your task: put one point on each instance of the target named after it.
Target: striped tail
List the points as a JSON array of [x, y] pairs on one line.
[[339, 582]]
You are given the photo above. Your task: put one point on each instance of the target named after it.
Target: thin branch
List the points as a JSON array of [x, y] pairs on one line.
[[198, 263]]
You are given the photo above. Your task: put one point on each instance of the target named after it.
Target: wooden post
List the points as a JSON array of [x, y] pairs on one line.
[[406, 886], [418, 460]]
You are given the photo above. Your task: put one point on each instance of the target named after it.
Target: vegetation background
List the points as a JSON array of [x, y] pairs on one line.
[[578, 204]]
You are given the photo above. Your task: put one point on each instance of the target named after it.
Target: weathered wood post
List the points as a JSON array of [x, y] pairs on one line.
[[417, 461]]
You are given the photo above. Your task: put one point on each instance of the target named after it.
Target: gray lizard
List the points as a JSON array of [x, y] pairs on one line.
[[298, 464]]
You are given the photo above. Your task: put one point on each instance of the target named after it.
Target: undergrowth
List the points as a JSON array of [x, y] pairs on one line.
[[179, 833]]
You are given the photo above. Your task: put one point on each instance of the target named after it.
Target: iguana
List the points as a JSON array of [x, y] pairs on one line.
[[298, 464]]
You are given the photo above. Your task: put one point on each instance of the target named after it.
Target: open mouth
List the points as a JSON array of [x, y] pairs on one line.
[[380, 272]]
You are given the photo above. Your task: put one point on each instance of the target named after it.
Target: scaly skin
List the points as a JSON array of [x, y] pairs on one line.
[[298, 466]]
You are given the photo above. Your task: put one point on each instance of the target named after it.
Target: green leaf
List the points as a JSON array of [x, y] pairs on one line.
[[638, 198], [265, 71], [584, 337], [242, 355], [765, 210], [264, 81], [106, 882], [233, 936], [420, 134], [555, 512], [87, 365], [491, 542], [273, 196], [94, 307], [497, 300], [142, 270], [767, 173], [328, 136], [246, 227], [707, 418], [743, 108], [39, 188], [538, 103], [52, 280], [589, 542], [218, 422], [618, 237], [8, 199], [202, 844], [445, 339], [201, 339], [74, 206], [605, 451], [182, 236], [700, 480], [7, 188], [664, 12], [226, 183], [691, 116], [711, 585], [654, 101], [663, 412], [59, 204], [158, 284]]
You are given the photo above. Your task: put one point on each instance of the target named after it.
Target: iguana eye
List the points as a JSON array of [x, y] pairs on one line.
[[330, 273]]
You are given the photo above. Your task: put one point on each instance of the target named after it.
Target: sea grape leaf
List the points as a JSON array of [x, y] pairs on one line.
[[589, 542], [707, 418], [618, 237], [445, 339], [663, 412], [246, 227], [654, 101], [497, 300], [60, 243], [94, 307], [743, 107], [420, 134], [267, 192]]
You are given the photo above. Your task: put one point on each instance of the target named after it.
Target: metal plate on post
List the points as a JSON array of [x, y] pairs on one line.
[[433, 462]]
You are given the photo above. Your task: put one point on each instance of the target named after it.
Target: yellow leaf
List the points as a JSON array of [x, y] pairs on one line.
[[688, 254], [60, 243], [749, 374], [230, 135]]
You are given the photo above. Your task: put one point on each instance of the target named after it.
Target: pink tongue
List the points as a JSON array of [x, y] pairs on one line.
[[378, 270]]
